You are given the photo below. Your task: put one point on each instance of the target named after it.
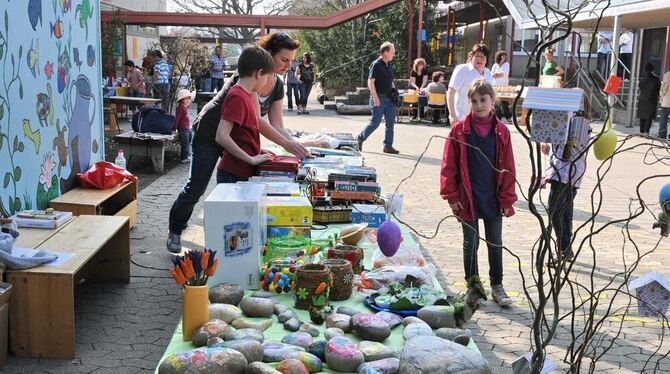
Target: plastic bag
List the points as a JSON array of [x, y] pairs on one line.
[[406, 255], [103, 175], [387, 275], [319, 140]]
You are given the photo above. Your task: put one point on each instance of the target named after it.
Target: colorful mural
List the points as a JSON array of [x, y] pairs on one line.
[[51, 125]]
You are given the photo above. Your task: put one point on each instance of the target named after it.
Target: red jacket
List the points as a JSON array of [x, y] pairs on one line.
[[455, 176]]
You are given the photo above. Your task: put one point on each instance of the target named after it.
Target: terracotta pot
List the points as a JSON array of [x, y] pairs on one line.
[[194, 310]]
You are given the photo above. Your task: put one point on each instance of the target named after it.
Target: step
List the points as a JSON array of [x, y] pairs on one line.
[[330, 105], [363, 91], [341, 99], [354, 98]]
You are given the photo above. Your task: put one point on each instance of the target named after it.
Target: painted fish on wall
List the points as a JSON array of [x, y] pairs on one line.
[[65, 5], [32, 58], [90, 55], [57, 28], [35, 12]]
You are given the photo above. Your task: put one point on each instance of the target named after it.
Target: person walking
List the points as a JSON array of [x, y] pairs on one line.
[[380, 83], [462, 78], [206, 149], [218, 66], [306, 77], [647, 104], [665, 107], [292, 86], [162, 80]]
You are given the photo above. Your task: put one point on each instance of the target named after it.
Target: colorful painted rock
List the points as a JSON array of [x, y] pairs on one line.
[[373, 351], [251, 323], [370, 327], [292, 366], [343, 355], [310, 329], [260, 368], [241, 334], [286, 315], [293, 324], [445, 357], [204, 360], [332, 332], [385, 366], [301, 339], [318, 349], [225, 293], [251, 349], [225, 312], [312, 363], [341, 321], [276, 352], [391, 318], [257, 307], [451, 333], [417, 329], [212, 328]]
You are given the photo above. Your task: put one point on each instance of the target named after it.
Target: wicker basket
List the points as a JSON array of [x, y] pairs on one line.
[[343, 278], [313, 282], [348, 252]]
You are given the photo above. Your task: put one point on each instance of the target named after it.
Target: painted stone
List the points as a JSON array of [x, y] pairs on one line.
[[286, 315], [276, 352], [214, 342], [437, 316], [462, 340], [241, 334], [225, 312], [384, 366], [341, 321], [451, 333], [293, 324], [212, 328], [433, 355], [312, 363], [411, 319], [373, 351], [391, 318], [332, 332], [249, 323], [263, 294], [260, 368], [343, 355], [318, 349], [310, 329], [204, 360], [292, 366], [417, 329], [281, 308], [251, 349], [257, 307], [301, 339], [225, 293], [370, 327], [348, 311]]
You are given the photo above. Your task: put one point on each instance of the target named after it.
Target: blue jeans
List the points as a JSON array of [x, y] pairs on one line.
[[223, 176], [295, 89], [561, 206], [205, 157], [206, 84], [185, 139], [217, 84], [134, 93], [493, 229], [305, 89], [663, 123], [162, 91], [385, 109]]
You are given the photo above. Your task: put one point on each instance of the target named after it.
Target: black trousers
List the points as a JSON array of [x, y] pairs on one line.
[[645, 125]]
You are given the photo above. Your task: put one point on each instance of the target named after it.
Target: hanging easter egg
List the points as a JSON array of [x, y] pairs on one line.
[[389, 238], [605, 145]]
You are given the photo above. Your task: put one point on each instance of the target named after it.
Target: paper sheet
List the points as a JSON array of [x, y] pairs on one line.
[[30, 252]]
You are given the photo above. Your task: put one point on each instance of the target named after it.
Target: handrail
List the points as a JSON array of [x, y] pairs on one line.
[[583, 74], [348, 63]]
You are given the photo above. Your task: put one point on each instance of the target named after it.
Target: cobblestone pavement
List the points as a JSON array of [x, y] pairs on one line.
[[124, 328]]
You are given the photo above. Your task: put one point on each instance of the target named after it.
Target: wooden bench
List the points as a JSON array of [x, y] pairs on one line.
[[42, 303], [118, 201], [134, 145]]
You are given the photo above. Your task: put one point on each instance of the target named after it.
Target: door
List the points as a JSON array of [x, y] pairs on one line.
[[653, 49]]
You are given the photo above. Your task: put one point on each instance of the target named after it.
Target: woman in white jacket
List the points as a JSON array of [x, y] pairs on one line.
[[665, 107]]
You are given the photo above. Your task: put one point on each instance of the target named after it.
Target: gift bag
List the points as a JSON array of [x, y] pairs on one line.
[[549, 126], [103, 175]]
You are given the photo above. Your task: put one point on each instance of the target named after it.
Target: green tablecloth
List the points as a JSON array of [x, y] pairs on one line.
[[276, 332]]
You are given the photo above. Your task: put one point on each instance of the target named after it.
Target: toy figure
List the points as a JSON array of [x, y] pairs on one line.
[[664, 200]]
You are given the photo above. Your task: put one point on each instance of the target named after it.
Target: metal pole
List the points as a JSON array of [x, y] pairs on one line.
[[631, 103], [481, 21], [411, 38], [419, 28], [615, 58]]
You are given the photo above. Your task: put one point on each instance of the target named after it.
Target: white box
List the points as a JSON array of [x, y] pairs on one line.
[[236, 227]]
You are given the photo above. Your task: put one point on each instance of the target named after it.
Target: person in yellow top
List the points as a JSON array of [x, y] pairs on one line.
[[665, 107]]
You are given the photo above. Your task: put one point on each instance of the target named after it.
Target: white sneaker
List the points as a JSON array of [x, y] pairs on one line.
[[500, 296]]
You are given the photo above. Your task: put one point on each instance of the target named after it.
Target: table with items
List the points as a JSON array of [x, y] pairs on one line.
[[307, 271]]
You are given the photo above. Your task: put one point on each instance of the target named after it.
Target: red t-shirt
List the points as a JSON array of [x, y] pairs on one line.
[[238, 107], [181, 119]]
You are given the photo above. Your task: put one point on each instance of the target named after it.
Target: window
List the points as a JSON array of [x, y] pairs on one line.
[[526, 38]]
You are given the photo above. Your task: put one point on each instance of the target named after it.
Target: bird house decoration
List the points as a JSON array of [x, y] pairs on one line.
[[553, 109], [653, 294]]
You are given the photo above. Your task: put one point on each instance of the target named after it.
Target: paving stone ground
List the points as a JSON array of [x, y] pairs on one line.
[[124, 328]]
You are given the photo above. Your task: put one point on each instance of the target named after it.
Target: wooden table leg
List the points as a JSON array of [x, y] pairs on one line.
[[112, 119], [41, 316], [112, 262]]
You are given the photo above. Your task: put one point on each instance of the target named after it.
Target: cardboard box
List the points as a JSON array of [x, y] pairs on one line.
[[374, 215], [280, 188], [235, 227], [5, 293], [280, 231], [289, 211]]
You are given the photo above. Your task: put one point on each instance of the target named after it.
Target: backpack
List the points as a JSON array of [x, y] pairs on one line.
[[152, 119]]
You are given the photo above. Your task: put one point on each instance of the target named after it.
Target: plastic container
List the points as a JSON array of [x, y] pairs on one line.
[[120, 160]]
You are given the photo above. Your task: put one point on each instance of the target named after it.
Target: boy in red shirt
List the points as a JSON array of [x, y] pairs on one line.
[[182, 123], [239, 129]]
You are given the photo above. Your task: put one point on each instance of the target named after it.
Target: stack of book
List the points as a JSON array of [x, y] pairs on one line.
[[42, 219]]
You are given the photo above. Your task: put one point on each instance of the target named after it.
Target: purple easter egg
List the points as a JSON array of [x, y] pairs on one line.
[[389, 238]]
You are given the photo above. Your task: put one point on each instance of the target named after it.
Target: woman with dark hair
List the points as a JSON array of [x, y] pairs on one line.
[[500, 72], [647, 106], [306, 76], [206, 151]]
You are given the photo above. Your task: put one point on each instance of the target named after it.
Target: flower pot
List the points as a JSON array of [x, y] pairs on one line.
[[313, 282], [343, 278], [195, 309], [348, 252]]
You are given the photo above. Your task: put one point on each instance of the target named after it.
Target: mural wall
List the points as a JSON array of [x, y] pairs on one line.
[[51, 125]]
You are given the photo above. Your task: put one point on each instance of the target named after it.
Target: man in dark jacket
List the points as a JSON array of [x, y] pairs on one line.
[[647, 105]]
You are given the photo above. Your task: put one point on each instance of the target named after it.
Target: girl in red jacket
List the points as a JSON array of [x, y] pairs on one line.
[[478, 180]]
